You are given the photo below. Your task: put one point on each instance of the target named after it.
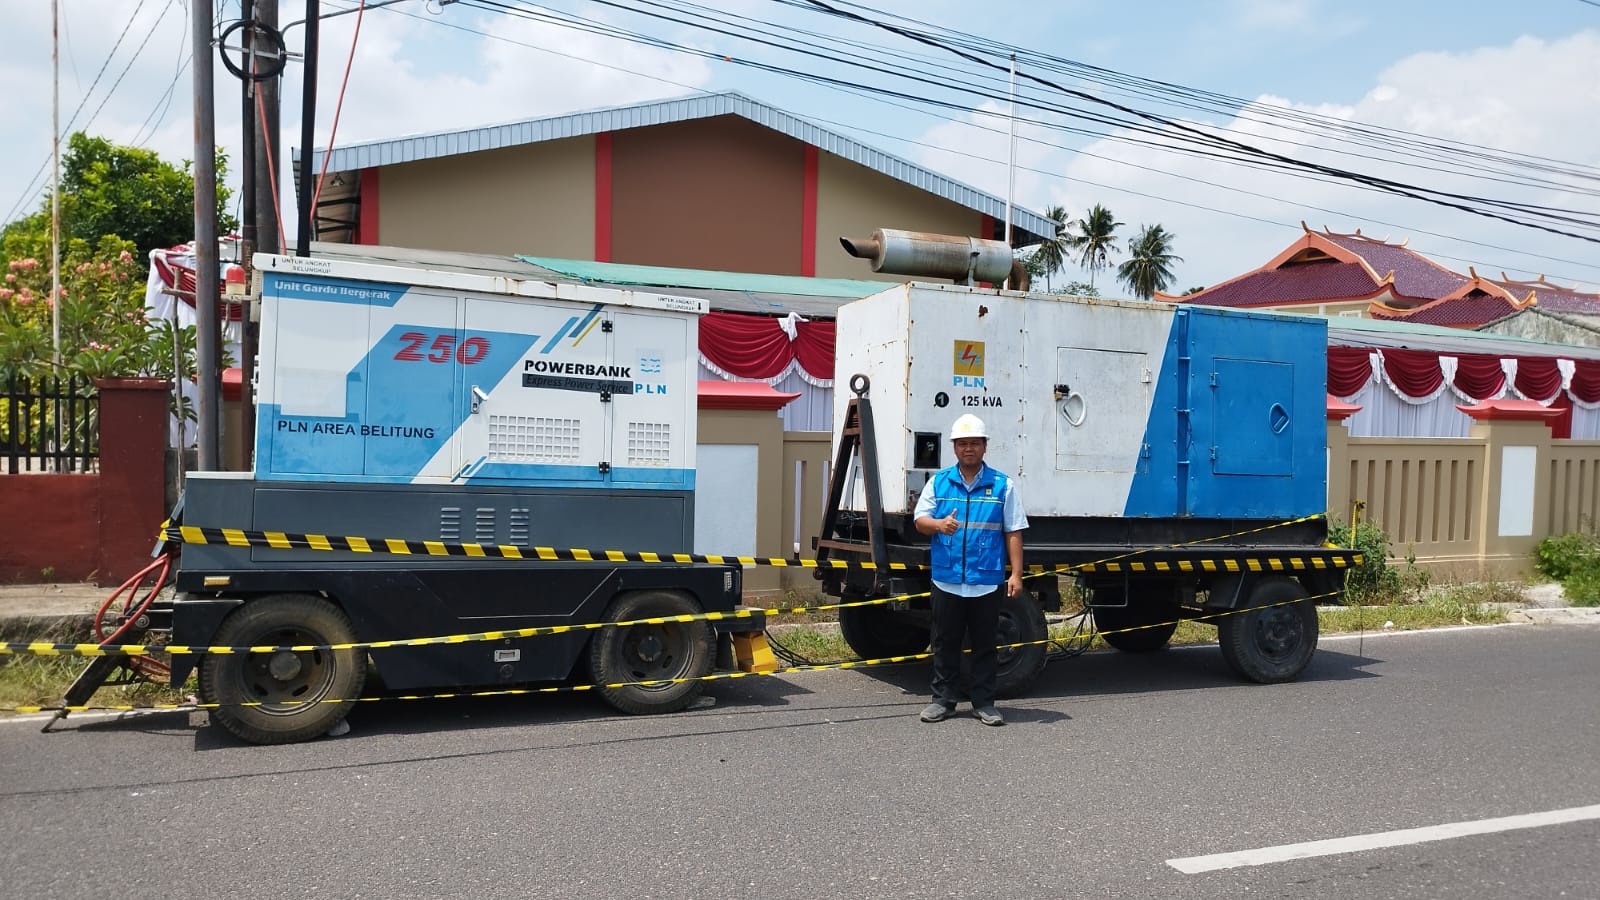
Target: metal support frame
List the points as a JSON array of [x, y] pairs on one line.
[[857, 436]]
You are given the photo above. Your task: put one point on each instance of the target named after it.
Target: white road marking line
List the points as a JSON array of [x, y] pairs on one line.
[[1192, 865]]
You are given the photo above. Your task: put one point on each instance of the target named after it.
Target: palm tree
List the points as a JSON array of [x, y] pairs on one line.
[[1095, 240], [1051, 253], [1150, 259]]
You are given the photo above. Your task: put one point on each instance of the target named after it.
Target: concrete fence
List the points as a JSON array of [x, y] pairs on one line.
[[1474, 505], [1464, 507]]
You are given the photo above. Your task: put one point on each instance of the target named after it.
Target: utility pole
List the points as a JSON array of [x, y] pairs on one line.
[[269, 231], [206, 288], [248, 229], [55, 183], [308, 124], [1011, 164]]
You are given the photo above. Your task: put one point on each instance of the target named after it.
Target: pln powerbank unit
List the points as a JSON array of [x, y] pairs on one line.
[[1171, 458], [417, 416]]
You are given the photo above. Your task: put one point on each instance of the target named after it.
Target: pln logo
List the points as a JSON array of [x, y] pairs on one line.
[[968, 367]]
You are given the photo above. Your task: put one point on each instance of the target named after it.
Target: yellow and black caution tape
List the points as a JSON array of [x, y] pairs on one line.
[[39, 648], [579, 688], [1247, 564], [283, 540]]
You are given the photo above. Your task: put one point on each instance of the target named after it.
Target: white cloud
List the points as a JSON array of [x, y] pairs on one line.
[[408, 76], [1274, 14]]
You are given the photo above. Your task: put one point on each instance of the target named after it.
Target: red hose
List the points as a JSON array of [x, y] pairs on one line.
[[142, 666]]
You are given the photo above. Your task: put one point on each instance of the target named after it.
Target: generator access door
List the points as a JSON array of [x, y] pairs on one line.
[[546, 421], [1101, 399], [1254, 407]]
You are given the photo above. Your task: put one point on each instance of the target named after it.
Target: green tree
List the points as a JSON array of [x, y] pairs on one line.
[[1149, 265], [1052, 253], [109, 189], [1079, 289], [1194, 290], [1095, 240], [117, 204]]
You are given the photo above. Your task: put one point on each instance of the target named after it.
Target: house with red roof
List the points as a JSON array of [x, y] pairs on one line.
[[1333, 274]]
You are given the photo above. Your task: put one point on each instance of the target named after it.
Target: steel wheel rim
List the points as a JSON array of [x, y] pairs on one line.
[[286, 682], [655, 653], [1278, 632]]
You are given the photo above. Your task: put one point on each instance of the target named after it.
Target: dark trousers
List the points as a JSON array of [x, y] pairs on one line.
[[974, 619]]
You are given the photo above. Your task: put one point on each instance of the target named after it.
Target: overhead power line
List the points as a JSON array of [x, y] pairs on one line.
[[617, 32], [1181, 136], [1450, 199]]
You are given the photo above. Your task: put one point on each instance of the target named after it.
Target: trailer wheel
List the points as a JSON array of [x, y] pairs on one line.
[[1271, 637], [875, 632], [295, 695], [652, 652], [1021, 621]]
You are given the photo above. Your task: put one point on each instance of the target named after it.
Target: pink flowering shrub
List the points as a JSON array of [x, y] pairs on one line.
[[103, 328]]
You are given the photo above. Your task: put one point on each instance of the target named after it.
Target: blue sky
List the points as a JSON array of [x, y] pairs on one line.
[[1523, 78]]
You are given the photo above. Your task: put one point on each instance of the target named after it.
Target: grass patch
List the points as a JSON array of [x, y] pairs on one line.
[[794, 598], [819, 645], [42, 680], [28, 680]]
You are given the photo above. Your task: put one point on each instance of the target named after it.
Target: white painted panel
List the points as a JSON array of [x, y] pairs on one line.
[[872, 341], [1516, 490], [307, 364], [934, 352], [725, 499]]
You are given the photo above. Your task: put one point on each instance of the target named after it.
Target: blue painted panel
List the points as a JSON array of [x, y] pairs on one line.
[[331, 290], [1257, 387], [412, 406]]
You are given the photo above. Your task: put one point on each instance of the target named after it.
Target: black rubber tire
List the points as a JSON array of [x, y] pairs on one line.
[[875, 632], [650, 653], [1135, 621], [300, 694], [1271, 639], [1021, 621]]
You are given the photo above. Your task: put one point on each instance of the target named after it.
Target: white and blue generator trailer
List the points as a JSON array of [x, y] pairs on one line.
[[1171, 459]]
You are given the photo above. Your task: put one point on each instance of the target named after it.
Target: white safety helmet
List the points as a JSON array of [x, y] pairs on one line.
[[968, 426]]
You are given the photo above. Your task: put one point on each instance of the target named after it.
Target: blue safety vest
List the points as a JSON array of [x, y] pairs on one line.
[[977, 553]]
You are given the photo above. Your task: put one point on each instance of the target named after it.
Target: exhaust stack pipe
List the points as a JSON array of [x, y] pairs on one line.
[[965, 260]]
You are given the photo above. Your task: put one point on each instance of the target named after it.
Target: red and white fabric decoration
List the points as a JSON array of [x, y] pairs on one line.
[[1420, 379], [758, 348]]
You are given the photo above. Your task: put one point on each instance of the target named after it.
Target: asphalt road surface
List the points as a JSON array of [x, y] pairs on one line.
[[1115, 776]]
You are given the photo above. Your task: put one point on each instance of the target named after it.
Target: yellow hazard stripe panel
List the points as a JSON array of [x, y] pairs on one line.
[[233, 537]]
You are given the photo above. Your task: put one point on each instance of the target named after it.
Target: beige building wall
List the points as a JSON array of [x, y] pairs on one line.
[[763, 430], [536, 199], [853, 200]]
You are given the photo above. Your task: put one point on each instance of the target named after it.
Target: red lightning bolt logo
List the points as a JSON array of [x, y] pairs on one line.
[[967, 356]]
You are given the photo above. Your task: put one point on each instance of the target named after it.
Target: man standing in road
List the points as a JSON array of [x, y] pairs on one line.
[[976, 520]]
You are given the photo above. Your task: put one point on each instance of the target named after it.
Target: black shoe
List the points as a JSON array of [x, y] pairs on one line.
[[936, 712]]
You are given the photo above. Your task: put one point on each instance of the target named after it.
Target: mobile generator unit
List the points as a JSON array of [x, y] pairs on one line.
[[413, 422], [1173, 459]]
